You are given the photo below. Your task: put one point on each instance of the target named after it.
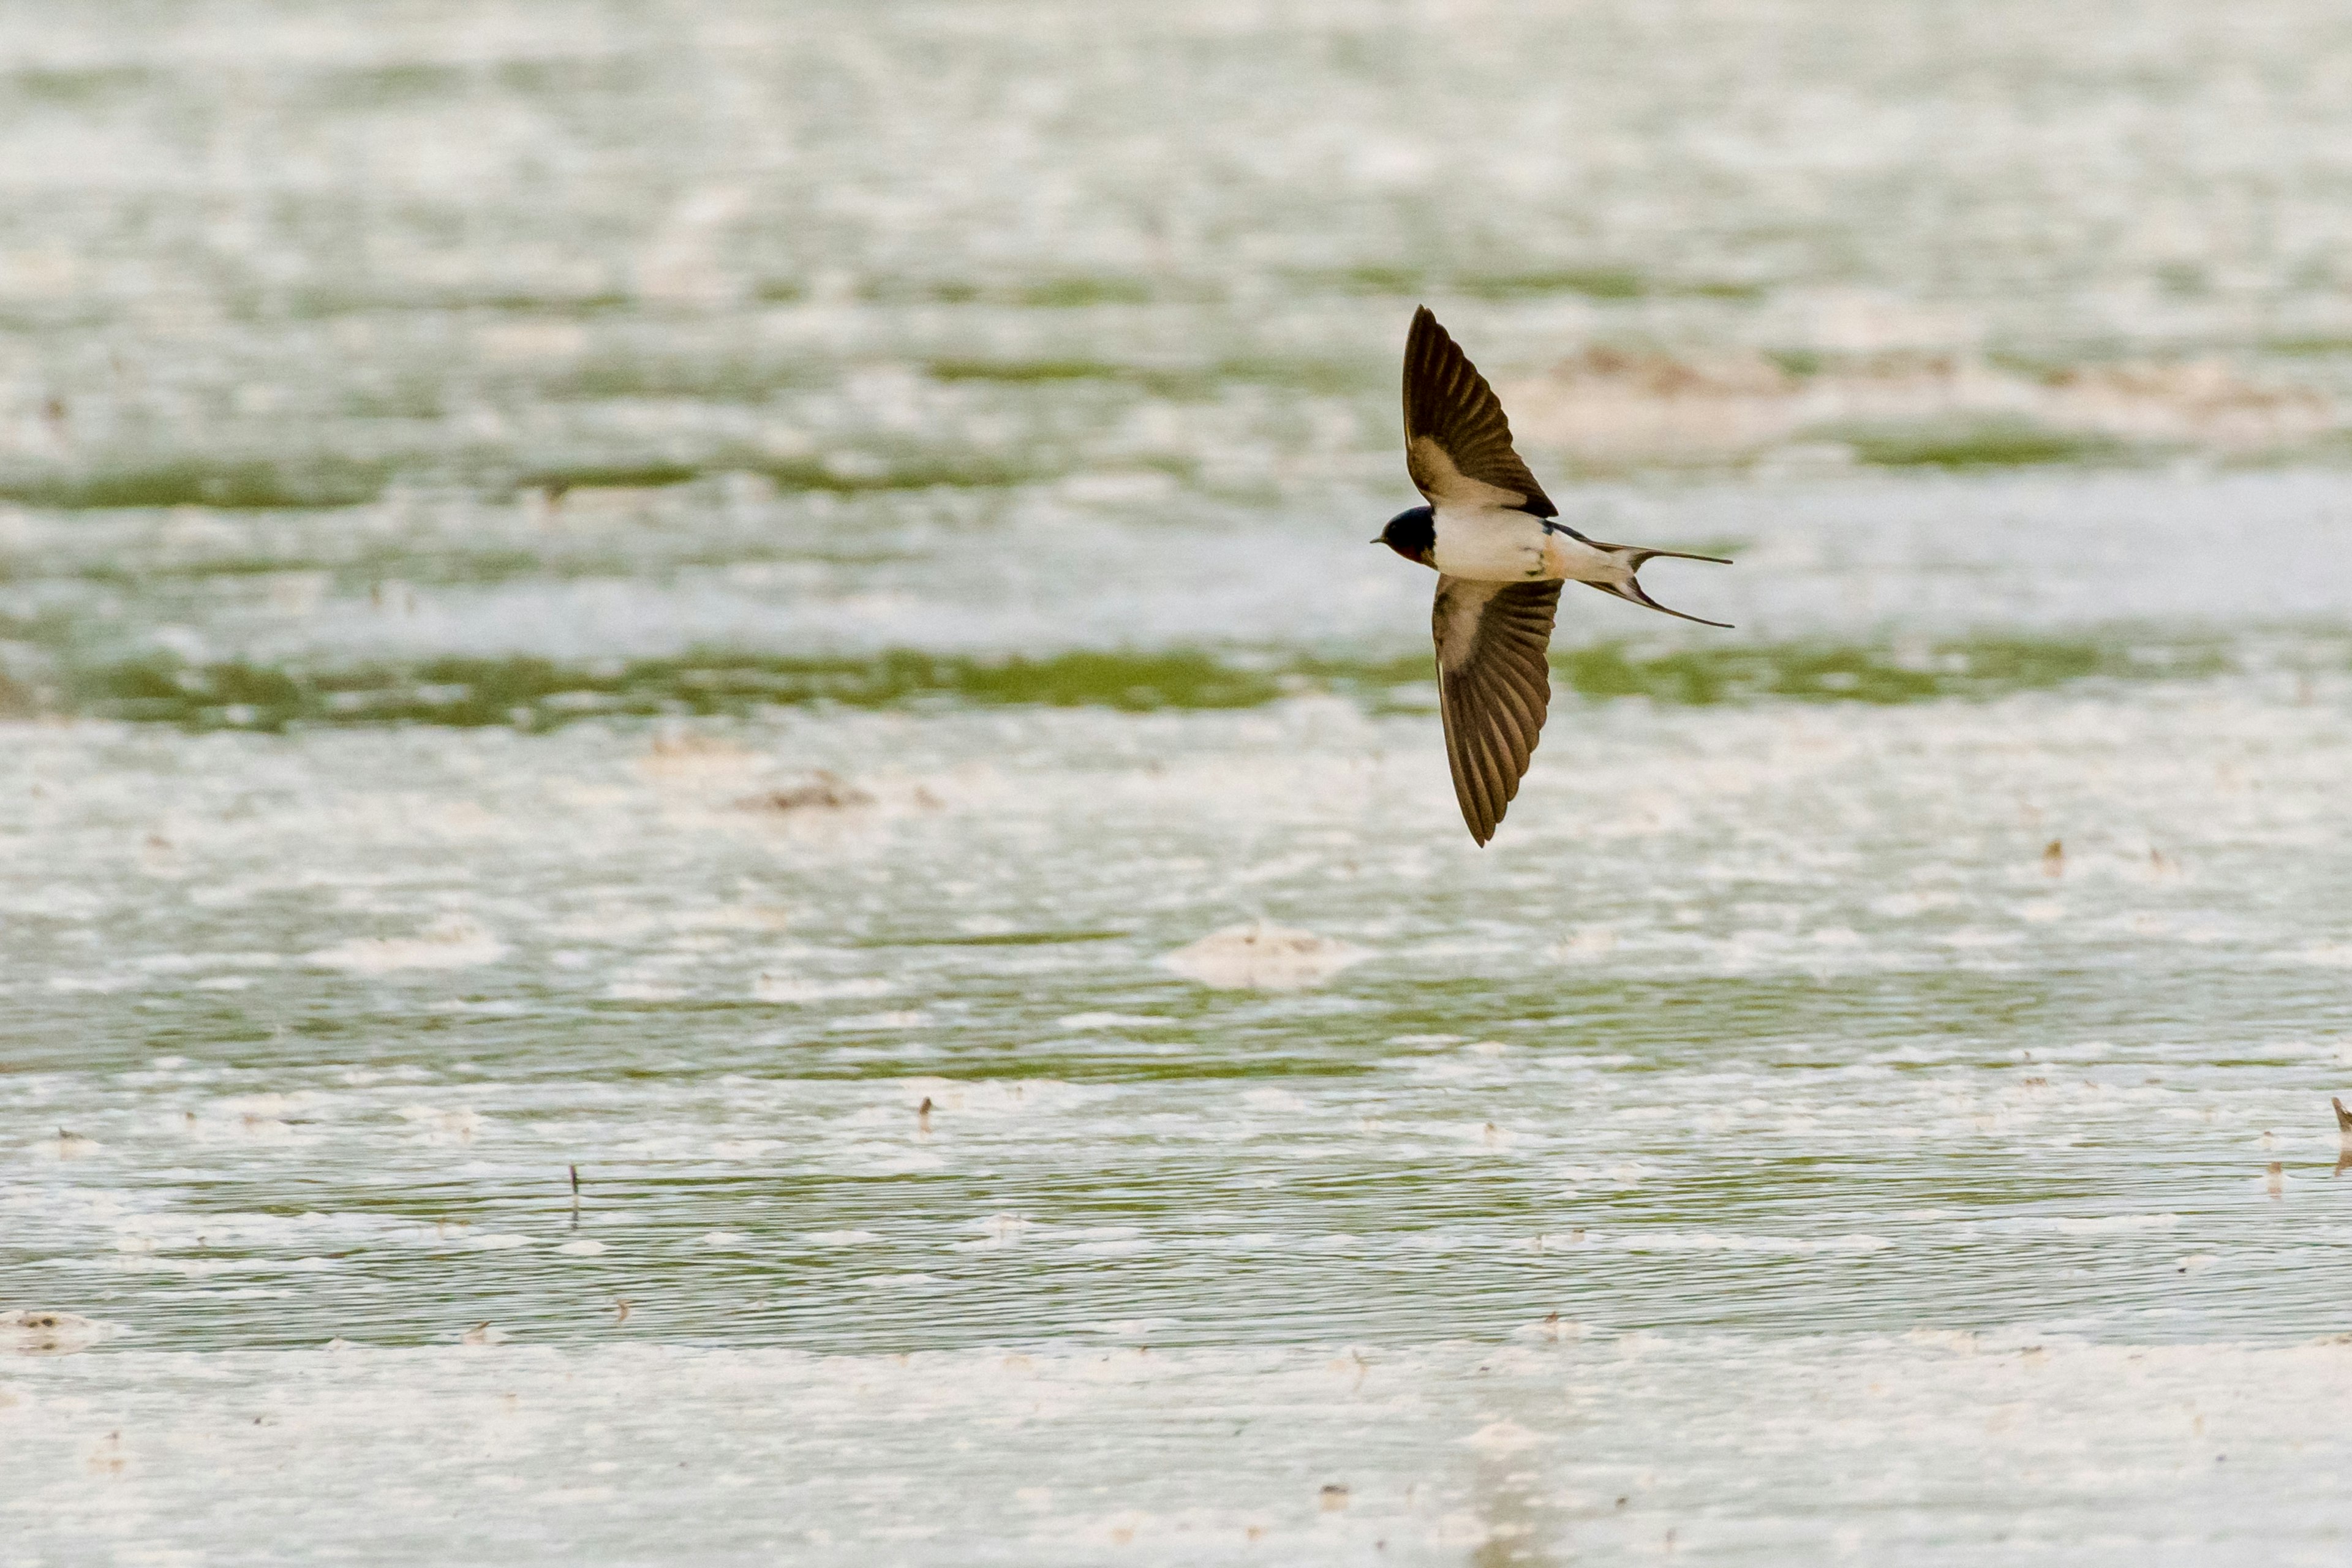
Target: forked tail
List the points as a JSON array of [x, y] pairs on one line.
[[1631, 591]]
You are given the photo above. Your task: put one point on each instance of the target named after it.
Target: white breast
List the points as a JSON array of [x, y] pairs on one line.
[[1489, 544]]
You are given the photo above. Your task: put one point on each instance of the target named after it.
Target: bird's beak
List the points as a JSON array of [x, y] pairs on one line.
[[1376, 541]]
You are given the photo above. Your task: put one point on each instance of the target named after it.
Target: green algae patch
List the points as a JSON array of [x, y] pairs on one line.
[[1590, 282], [613, 376], [1996, 442], [1068, 292], [611, 475], [883, 472], [1601, 282], [248, 485], [537, 693], [1021, 371], [1195, 383], [1846, 673]]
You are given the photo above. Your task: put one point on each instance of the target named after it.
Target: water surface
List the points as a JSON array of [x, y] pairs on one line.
[[593, 589]]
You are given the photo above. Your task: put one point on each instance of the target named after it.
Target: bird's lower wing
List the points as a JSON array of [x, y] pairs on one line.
[[1493, 688]]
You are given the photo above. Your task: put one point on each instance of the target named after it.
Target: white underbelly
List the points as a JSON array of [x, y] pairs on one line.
[[1491, 545]]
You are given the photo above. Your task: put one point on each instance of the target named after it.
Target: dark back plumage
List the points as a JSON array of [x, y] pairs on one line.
[[1455, 431]]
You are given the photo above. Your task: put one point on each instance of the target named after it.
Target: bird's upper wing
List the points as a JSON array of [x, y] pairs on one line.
[[1494, 687], [1457, 442]]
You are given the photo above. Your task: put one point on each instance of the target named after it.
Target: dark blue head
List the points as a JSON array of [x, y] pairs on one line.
[[1410, 535]]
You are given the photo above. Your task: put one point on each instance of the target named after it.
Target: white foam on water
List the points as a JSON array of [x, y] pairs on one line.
[[455, 943], [1431, 1450], [1261, 957]]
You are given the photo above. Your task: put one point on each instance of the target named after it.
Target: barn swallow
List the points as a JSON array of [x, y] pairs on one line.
[[1501, 555]]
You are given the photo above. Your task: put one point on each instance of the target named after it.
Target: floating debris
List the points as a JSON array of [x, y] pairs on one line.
[[2053, 858], [37, 1331], [67, 1145], [1335, 1498], [1554, 1328], [481, 1333], [823, 792], [1261, 957]]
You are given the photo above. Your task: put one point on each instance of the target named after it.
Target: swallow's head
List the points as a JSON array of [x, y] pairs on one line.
[[1412, 534]]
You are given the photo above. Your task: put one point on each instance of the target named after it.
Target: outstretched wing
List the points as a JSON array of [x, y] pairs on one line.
[[1494, 687], [1457, 442]]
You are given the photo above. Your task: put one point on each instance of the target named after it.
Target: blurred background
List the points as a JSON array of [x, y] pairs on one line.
[[446, 363], [657, 588]]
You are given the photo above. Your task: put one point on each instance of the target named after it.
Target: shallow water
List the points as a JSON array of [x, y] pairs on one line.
[[595, 592]]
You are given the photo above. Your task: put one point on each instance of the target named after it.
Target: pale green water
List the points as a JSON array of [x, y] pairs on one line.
[[462, 467]]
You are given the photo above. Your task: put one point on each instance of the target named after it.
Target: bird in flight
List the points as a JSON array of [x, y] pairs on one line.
[[1501, 556]]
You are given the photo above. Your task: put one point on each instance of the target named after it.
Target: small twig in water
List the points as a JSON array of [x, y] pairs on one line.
[[923, 1115], [575, 1198]]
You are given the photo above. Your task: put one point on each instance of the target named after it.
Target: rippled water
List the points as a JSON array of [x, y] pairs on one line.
[[700, 600]]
